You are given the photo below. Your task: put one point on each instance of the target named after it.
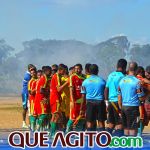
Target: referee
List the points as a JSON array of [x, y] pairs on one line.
[[93, 92], [130, 94]]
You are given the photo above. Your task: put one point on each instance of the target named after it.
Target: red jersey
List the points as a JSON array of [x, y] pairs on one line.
[[145, 85], [76, 82], [42, 83], [55, 96], [31, 89]]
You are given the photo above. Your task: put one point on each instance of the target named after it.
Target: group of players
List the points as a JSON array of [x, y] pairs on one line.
[[66, 99]]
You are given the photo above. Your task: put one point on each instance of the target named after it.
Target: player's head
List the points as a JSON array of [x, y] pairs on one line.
[[132, 67], [33, 73], [61, 69], [39, 74], [147, 72], [30, 67], [140, 71], [43, 68], [47, 70], [66, 70], [71, 70], [122, 64], [93, 69], [54, 68], [78, 68], [87, 68]]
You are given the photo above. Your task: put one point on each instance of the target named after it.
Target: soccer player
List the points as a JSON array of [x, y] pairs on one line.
[[32, 92], [27, 78], [147, 100], [130, 94], [111, 94], [76, 100], [65, 105], [39, 74], [54, 69], [71, 70], [56, 88], [87, 70], [42, 97], [93, 92]]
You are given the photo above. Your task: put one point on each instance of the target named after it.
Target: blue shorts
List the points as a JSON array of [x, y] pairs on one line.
[[25, 100]]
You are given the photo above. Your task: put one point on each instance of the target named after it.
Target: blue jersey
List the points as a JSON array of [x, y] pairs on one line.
[[27, 78], [112, 84], [93, 87], [130, 91]]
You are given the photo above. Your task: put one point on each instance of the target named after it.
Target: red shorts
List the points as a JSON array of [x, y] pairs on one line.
[[146, 114], [55, 107], [55, 101], [74, 113], [39, 107]]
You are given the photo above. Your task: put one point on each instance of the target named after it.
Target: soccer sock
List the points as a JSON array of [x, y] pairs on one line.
[[69, 124], [118, 132], [23, 122], [53, 128], [110, 130]]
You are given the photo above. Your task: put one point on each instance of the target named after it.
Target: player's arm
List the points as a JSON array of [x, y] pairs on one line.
[[83, 92], [71, 89], [33, 91], [106, 95], [106, 92], [119, 98], [43, 85], [60, 88], [140, 92]]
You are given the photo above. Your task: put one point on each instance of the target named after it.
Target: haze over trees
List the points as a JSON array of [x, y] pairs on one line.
[[47, 52]]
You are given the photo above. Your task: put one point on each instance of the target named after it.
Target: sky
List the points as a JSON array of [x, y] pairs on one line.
[[90, 21]]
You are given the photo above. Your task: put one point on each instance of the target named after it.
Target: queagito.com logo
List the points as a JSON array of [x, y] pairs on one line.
[[72, 139]]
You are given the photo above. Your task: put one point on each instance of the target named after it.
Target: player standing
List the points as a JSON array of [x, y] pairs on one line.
[[93, 92], [76, 100], [25, 95], [130, 94], [111, 94]]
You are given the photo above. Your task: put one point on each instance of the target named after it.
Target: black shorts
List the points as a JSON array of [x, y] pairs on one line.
[[113, 115], [130, 115], [95, 110]]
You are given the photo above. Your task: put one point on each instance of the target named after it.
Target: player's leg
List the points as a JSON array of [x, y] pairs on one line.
[[133, 115], [110, 119], [101, 115], [25, 109]]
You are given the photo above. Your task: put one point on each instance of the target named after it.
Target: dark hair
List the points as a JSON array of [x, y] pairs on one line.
[[39, 71], [46, 68], [43, 68], [147, 69], [71, 68], [79, 65], [55, 66], [140, 71], [31, 66], [133, 66], [122, 63], [87, 67], [61, 66], [93, 69]]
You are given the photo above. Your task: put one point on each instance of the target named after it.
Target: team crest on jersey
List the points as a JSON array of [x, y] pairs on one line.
[[127, 80]]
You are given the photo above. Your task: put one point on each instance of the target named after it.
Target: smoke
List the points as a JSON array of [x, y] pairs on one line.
[[47, 52]]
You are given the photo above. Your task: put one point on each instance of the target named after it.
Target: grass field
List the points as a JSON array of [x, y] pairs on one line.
[[11, 113]]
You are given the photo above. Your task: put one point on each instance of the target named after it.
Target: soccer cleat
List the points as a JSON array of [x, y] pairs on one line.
[[25, 126]]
